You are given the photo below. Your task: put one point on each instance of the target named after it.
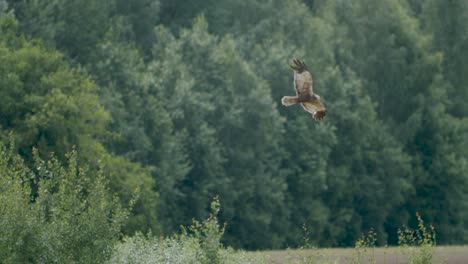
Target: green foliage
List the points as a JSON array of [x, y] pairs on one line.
[[142, 15], [199, 243], [423, 240], [144, 131], [181, 101], [3, 7], [128, 180], [364, 248], [49, 104], [208, 234], [68, 215], [72, 26], [445, 22], [403, 76], [52, 106], [416, 245], [213, 96]]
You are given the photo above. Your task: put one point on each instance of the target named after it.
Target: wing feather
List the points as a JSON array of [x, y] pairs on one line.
[[302, 79], [316, 108]]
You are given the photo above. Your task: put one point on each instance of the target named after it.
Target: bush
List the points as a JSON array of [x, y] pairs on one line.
[[364, 248], [200, 243], [55, 213], [419, 244]]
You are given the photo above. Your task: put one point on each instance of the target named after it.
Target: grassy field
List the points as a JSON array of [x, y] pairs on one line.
[[391, 255]]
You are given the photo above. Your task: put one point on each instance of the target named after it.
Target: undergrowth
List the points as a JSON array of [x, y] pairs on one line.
[[415, 246], [198, 243], [418, 244], [60, 212]]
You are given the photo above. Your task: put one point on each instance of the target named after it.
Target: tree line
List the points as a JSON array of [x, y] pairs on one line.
[[178, 102]]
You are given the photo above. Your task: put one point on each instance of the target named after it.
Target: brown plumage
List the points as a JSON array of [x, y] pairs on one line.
[[304, 92]]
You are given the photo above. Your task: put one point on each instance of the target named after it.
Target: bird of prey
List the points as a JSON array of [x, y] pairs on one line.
[[304, 92]]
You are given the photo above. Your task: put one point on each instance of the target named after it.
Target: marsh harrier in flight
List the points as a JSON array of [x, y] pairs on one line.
[[304, 92]]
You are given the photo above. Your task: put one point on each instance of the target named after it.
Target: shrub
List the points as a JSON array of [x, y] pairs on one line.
[[55, 213], [418, 244], [364, 248], [199, 243]]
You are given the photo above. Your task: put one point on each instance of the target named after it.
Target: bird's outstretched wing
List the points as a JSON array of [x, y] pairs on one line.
[[304, 92], [316, 108], [302, 79]]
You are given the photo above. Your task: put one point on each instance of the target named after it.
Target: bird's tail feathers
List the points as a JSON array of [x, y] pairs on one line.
[[289, 100]]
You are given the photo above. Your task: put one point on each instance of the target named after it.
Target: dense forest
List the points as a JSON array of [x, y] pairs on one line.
[[160, 105]]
